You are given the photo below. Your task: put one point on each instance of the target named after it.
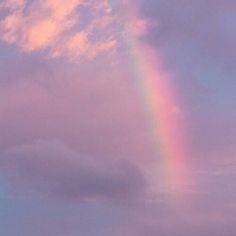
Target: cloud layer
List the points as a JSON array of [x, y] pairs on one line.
[[76, 151]]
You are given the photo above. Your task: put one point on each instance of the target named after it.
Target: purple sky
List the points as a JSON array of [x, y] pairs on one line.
[[77, 155]]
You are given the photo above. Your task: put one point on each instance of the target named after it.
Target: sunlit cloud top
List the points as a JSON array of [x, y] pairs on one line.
[[72, 28]]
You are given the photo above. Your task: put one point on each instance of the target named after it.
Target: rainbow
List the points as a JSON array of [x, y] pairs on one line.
[[162, 108], [162, 105]]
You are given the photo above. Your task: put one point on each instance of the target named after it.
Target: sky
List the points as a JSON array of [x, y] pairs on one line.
[[117, 117]]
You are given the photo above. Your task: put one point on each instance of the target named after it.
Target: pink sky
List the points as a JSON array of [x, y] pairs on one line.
[[117, 117]]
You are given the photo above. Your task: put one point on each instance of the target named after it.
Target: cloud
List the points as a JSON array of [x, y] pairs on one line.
[[133, 19], [193, 34], [12, 4], [52, 169], [59, 27]]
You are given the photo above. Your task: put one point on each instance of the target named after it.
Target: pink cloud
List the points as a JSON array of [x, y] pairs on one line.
[[91, 117], [12, 4], [53, 26]]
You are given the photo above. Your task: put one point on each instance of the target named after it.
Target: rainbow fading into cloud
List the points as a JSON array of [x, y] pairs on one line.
[[162, 106]]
